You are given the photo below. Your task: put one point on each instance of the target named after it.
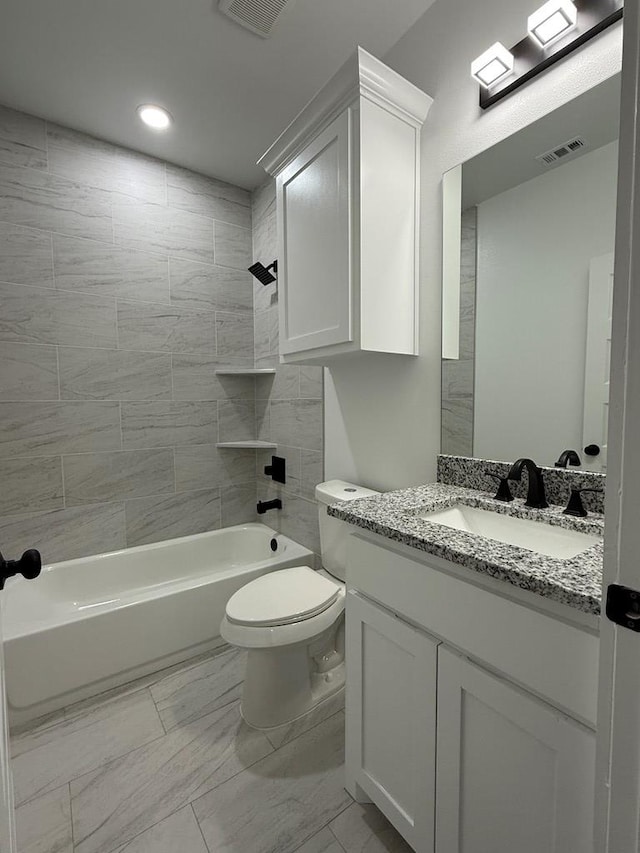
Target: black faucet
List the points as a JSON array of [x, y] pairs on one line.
[[536, 498], [568, 457], [263, 506]]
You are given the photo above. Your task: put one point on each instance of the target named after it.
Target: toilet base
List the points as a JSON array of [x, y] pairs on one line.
[[336, 691]]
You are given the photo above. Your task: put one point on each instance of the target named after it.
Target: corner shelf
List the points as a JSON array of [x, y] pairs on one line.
[[245, 371], [257, 445]]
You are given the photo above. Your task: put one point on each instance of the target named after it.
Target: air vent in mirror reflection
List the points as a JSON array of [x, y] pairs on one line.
[[562, 152]]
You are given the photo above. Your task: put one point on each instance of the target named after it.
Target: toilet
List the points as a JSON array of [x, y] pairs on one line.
[[291, 622]]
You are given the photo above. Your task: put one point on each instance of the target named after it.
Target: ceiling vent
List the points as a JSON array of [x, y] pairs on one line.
[[567, 149], [259, 16]]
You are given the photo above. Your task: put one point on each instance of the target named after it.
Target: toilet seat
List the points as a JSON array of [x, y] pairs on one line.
[[284, 597]]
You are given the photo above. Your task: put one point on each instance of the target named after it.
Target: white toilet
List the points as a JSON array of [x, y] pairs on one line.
[[292, 624]]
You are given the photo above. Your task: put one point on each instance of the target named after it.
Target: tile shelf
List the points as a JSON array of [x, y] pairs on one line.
[[245, 371], [255, 444]]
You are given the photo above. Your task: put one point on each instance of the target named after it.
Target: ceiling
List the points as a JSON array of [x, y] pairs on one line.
[[89, 64]]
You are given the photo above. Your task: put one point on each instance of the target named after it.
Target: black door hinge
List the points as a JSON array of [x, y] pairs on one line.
[[623, 606]]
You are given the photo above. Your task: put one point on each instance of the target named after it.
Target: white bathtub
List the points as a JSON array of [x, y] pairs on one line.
[[89, 624]]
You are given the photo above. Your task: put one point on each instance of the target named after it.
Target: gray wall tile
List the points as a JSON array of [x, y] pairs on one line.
[[28, 372], [45, 429], [102, 374], [297, 422], [311, 381], [39, 200], [195, 285], [102, 477], [67, 533], [155, 228], [236, 420], [30, 485], [311, 473], [167, 424], [22, 139], [39, 315], [232, 245], [207, 466], [208, 197], [25, 256], [238, 504], [107, 270], [194, 378], [146, 326], [235, 334], [157, 518]]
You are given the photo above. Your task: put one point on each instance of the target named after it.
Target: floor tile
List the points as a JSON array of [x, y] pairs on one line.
[[288, 796], [195, 691], [283, 734], [44, 824], [179, 831], [78, 745], [323, 842], [122, 799], [364, 829]]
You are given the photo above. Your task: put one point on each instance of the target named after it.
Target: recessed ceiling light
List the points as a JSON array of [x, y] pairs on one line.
[[492, 65], [155, 117], [552, 21]]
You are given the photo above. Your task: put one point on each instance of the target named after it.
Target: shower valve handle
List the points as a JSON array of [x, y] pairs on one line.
[[29, 566]]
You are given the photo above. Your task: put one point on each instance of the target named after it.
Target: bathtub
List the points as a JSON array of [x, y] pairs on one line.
[[90, 624]]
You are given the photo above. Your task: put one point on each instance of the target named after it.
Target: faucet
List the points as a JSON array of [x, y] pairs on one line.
[[536, 498], [263, 506], [568, 457]]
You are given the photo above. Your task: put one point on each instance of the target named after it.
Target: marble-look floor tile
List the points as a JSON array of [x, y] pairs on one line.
[[102, 477], [146, 326], [207, 466], [235, 334], [232, 245], [65, 534], [29, 372], [179, 831], [283, 734], [85, 742], [46, 429], [322, 842], [260, 811], [199, 194], [102, 374], [120, 800], [364, 829], [22, 139], [157, 518], [25, 256], [196, 691], [38, 315], [44, 824], [50, 203], [166, 424], [29, 735], [106, 270], [30, 485], [238, 504]]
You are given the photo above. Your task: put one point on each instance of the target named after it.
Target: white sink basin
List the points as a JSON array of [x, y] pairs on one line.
[[534, 535]]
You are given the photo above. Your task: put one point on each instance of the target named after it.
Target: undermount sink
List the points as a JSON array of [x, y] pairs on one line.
[[547, 539]]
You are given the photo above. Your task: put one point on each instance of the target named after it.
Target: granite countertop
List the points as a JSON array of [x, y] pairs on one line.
[[575, 582]]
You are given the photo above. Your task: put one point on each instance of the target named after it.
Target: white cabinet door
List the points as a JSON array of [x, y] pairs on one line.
[[391, 718], [314, 222], [513, 774]]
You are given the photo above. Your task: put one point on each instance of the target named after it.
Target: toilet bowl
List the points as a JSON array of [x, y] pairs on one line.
[[291, 622]]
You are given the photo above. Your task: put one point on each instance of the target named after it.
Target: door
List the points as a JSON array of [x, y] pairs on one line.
[[618, 759], [513, 774], [391, 718], [597, 361], [314, 216]]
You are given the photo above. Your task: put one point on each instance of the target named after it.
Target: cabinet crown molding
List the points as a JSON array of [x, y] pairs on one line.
[[362, 76]]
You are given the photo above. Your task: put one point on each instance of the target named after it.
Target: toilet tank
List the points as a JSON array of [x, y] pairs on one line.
[[334, 533]]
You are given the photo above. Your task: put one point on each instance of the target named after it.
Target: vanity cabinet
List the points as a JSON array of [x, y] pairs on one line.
[[459, 727], [347, 196]]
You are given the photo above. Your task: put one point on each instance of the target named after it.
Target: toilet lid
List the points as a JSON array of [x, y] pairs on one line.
[[283, 597]]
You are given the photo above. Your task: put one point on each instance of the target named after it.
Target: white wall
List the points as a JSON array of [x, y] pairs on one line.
[[382, 414], [535, 243]]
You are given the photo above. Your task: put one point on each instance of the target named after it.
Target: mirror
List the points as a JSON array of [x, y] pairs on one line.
[[529, 229]]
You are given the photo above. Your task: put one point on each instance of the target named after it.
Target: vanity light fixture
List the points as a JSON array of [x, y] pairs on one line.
[[493, 65], [555, 30], [155, 117], [552, 21]]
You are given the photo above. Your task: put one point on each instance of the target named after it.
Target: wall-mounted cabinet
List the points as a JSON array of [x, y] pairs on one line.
[[347, 180]]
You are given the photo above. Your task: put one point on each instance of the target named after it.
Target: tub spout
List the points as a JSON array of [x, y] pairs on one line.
[[264, 506]]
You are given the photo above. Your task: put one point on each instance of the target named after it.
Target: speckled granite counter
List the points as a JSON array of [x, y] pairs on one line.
[[395, 515]]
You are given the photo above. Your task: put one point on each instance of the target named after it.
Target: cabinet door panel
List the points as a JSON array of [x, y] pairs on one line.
[[314, 275], [513, 774], [391, 695]]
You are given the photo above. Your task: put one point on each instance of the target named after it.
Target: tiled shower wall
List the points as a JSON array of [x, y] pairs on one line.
[[289, 405], [458, 375], [123, 285]]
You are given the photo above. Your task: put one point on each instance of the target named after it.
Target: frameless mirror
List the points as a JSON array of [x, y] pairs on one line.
[[529, 229]]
